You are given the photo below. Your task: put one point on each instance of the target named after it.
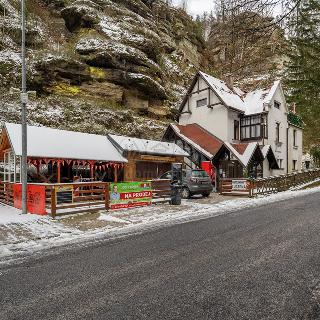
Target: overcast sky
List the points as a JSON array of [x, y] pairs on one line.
[[197, 6]]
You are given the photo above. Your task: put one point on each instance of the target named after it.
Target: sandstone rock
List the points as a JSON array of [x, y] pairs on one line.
[[110, 54], [134, 101], [105, 90], [146, 85], [52, 68], [82, 15]]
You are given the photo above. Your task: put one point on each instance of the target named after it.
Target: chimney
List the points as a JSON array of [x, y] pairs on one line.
[[229, 81], [294, 108]]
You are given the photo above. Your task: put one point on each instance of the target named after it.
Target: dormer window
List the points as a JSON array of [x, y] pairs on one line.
[[277, 104], [202, 102]]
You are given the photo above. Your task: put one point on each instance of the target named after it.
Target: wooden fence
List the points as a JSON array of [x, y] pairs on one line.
[[77, 197], [64, 198], [254, 187], [282, 182]]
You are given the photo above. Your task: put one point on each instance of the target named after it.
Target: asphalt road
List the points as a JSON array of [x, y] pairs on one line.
[[261, 263]]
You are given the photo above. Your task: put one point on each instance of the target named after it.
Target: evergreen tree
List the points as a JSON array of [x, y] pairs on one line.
[[303, 68]]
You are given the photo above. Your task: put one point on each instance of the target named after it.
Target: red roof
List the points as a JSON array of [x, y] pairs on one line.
[[240, 147], [201, 137]]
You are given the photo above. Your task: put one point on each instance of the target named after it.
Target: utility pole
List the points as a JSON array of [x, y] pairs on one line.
[[24, 101]]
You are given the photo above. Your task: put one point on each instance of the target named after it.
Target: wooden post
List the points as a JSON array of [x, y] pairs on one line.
[[53, 202], [58, 172], [107, 197], [115, 173], [91, 171]]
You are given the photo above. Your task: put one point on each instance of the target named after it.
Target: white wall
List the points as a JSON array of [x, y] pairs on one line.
[[278, 115], [232, 116], [295, 152], [214, 120]]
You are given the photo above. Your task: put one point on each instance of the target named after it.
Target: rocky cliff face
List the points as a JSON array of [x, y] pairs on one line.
[[99, 65]]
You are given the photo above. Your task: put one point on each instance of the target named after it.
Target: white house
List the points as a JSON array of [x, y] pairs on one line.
[[239, 117]]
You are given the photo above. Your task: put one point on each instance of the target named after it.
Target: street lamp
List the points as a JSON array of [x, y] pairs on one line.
[[24, 101]]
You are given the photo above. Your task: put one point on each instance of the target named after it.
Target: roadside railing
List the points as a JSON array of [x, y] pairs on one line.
[[65, 198], [283, 182], [77, 197], [262, 186]]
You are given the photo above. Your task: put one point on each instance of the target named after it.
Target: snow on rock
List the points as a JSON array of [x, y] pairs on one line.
[[117, 50]]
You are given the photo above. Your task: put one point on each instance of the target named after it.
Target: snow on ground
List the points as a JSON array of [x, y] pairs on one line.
[[9, 215], [23, 236]]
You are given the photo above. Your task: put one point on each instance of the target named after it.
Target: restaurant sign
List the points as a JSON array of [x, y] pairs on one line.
[[130, 194], [36, 198], [240, 185]]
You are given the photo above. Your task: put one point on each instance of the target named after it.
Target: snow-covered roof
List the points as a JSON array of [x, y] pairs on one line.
[[60, 144], [246, 156], [265, 149], [147, 146], [256, 100], [198, 138], [250, 103], [230, 97]]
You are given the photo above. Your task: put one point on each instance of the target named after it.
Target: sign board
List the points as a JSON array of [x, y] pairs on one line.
[[130, 194], [64, 194], [36, 198], [157, 158], [240, 185]]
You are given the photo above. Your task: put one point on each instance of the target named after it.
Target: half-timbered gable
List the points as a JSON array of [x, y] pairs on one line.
[[212, 104]]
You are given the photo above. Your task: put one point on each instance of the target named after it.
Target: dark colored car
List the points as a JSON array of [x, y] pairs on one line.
[[193, 182]]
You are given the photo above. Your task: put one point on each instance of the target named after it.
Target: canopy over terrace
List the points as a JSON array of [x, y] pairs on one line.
[[58, 155]]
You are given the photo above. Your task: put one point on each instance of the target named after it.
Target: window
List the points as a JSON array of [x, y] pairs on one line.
[[236, 130], [251, 127], [280, 163], [294, 165], [202, 102], [294, 138], [277, 132], [277, 104]]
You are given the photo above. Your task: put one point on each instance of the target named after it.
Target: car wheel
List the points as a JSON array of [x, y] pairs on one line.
[[206, 194], [185, 193]]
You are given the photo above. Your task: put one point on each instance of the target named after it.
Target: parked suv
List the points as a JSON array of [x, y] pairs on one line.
[[193, 182]]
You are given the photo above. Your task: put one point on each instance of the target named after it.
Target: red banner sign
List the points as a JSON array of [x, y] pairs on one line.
[[135, 195], [36, 198]]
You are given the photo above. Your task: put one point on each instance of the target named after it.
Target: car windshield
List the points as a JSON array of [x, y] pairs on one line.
[[199, 174]]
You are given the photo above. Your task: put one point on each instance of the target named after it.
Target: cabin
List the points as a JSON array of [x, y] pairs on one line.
[[147, 159], [59, 156], [235, 117]]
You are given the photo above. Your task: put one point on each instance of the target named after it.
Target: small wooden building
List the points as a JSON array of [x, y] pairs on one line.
[[147, 159], [56, 156]]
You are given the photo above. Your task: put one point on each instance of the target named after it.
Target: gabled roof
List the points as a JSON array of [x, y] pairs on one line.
[[255, 101], [269, 154], [249, 103], [61, 144], [147, 146], [243, 151], [230, 97], [199, 138]]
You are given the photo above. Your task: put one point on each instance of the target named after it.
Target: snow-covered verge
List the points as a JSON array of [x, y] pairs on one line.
[[25, 236]]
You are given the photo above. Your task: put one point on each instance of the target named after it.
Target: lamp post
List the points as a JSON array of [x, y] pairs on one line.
[[24, 100]]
